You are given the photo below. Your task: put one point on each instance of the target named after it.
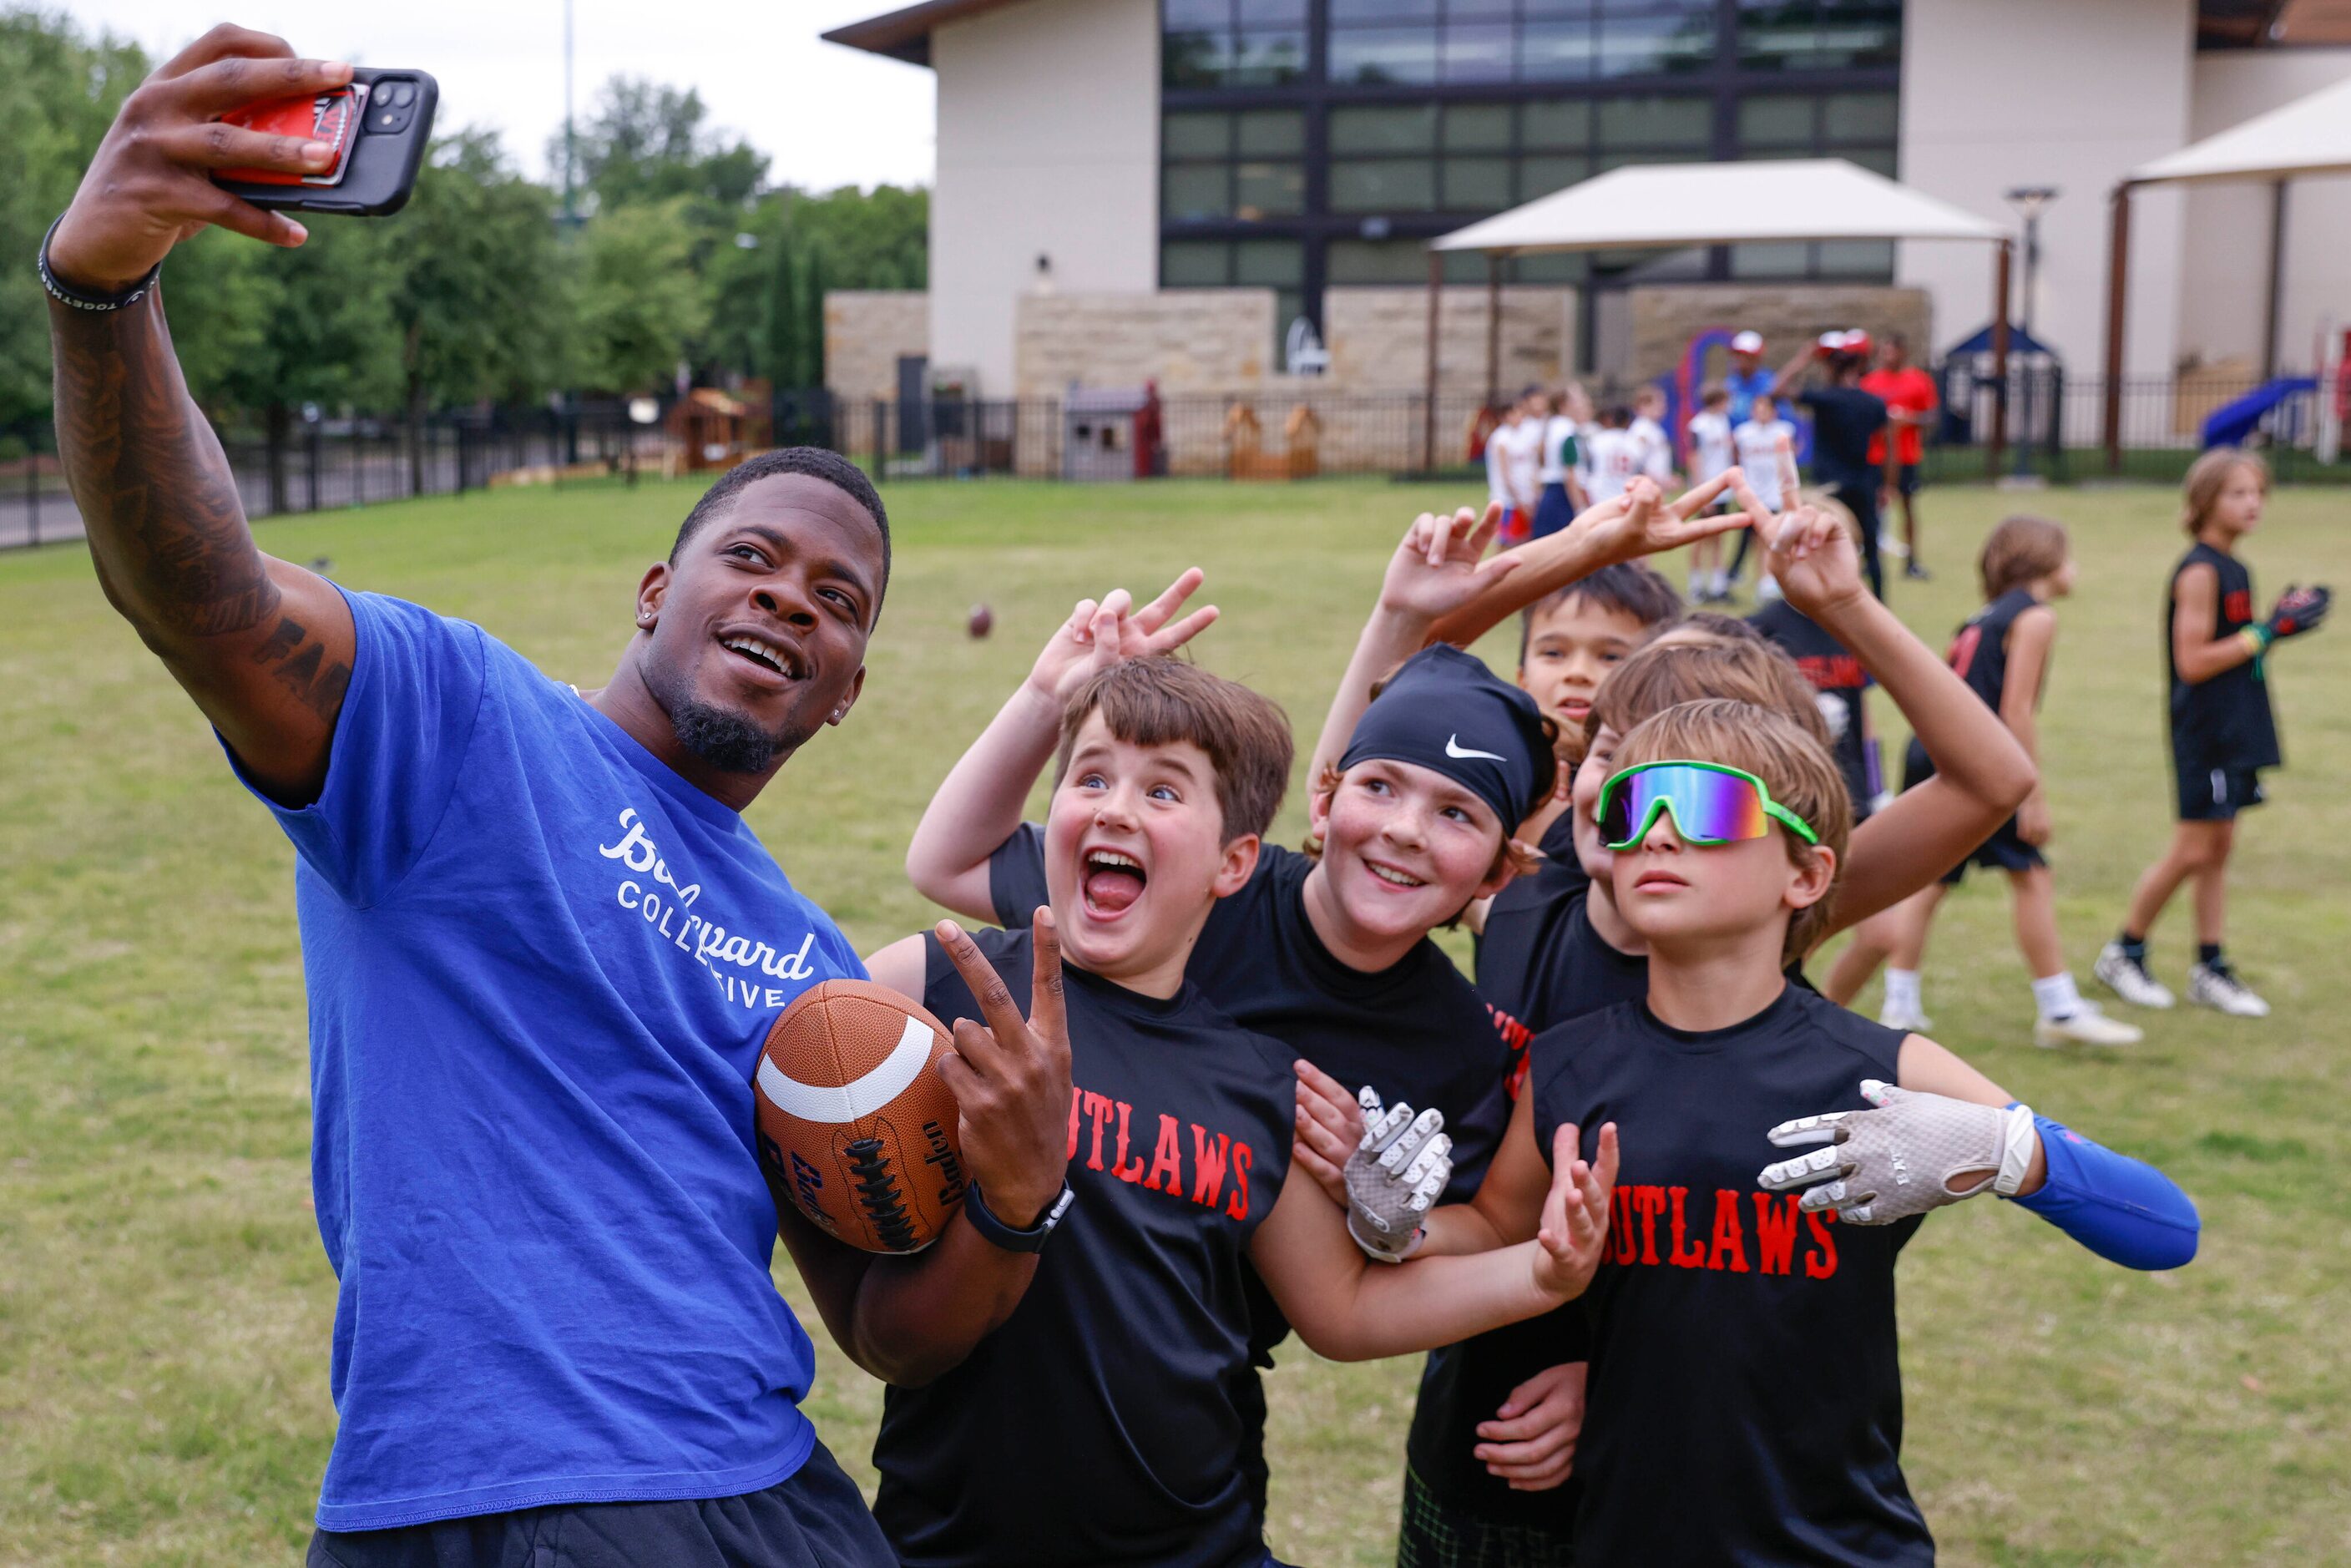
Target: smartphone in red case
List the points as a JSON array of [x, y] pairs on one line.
[[379, 127]]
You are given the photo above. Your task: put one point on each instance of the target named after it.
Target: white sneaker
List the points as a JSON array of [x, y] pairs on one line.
[[2088, 1027], [1767, 590], [2127, 978], [1909, 1020], [2215, 987], [1888, 545]]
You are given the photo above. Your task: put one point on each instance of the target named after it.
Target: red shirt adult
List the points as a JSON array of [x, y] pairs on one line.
[[1909, 391]]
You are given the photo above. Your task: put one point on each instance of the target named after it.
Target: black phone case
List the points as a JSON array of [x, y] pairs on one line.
[[383, 170]]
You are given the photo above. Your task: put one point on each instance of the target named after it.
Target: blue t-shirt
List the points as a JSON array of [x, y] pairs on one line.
[[1745, 388], [540, 967]]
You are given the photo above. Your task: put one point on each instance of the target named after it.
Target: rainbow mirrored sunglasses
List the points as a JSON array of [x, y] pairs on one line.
[[1711, 804]]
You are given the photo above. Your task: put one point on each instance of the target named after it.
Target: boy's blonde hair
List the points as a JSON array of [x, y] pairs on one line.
[[1793, 765], [2208, 477], [1747, 670], [2023, 549], [1161, 700]]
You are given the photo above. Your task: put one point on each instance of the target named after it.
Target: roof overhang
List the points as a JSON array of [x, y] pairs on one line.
[[905, 34], [2309, 136]]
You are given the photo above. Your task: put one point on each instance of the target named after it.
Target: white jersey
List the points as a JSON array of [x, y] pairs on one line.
[[1524, 456], [1710, 446], [1498, 465], [1557, 432], [1611, 458], [1656, 453], [1760, 446]]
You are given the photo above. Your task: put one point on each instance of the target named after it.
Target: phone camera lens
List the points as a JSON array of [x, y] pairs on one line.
[[401, 95]]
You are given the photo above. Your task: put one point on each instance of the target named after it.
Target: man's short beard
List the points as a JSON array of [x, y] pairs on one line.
[[725, 739]]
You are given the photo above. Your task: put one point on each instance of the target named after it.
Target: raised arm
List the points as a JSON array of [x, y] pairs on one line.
[[1792, 373], [977, 805], [1982, 773], [264, 647], [910, 1320]]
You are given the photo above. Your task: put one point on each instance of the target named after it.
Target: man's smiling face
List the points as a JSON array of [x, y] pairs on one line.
[[758, 628]]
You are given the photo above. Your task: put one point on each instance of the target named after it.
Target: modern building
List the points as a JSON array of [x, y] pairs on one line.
[[1208, 172]]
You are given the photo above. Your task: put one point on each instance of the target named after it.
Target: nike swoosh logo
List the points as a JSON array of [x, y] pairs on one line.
[[1452, 747], [850, 1102]]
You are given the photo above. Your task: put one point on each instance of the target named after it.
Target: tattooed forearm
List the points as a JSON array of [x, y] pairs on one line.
[[156, 494]]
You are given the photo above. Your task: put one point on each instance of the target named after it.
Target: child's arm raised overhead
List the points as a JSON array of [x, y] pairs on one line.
[[1946, 1133], [1348, 1308], [977, 805], [1982, 773]]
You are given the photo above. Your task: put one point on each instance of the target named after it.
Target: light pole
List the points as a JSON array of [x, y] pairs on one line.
[[2028, 201]]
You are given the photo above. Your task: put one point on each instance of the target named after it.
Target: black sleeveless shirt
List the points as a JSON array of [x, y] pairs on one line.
[[1745, 1401], [2224, 722]]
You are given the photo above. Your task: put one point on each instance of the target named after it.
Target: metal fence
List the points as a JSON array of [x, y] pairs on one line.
[[2055, 426]]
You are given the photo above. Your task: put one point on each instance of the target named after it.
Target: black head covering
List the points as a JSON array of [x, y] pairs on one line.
[[1445, 710]]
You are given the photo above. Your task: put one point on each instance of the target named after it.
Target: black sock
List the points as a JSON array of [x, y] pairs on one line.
[[2133, 948], [2208, 955]]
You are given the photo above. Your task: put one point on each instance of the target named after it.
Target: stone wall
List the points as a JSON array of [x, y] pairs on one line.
[[866, 331], [1186, 340], [1378, 337], [1789, 315]]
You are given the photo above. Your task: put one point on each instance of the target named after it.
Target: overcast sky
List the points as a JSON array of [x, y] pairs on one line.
[[825, 115]]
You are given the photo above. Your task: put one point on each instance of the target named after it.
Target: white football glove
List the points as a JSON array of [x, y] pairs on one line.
[[1899, 1160], [1394, 1174]]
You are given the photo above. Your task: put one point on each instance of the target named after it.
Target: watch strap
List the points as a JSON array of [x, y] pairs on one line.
[[1012, 1238]]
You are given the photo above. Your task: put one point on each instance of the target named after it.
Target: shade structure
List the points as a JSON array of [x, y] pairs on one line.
[[1673, 204], [2309, 136]]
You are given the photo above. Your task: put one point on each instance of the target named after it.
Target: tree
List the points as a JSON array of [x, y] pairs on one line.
[[59, 92], [647, 141], [638, 306]]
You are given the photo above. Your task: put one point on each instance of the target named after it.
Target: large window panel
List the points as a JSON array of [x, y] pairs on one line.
[[1195, 264], [1558, 122], [1374, 56], [1653, 45], [1271, 13], [1365, 261], [1665, 122], [1384, 128], [1270, 132], [1479, 51], [1197, 135], [1269, 190], [1383, 185], [1268, 264], [1541, 173], [1478, 128], [1857, 258], [1476, 184], [1191, 191], [1564, 50], [1345, 12], [1860, 117]]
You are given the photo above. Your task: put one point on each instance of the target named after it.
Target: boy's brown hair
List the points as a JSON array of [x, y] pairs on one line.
[[1628, 588], [1794, 764], [1665, 675], [2208, 477], [2023, 549], [1162, 700]]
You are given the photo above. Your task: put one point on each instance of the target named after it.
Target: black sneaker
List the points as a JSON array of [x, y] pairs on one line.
[[1917, 573]]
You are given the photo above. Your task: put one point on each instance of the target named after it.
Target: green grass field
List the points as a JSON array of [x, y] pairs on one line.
[[164, 1302]]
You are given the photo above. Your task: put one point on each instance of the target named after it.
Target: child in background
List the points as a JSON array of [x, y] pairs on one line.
[[1765, 444], [1711, 452], [2223, 730], [1612, 457], [1562, 495], [2002, 653], [1653, 449]]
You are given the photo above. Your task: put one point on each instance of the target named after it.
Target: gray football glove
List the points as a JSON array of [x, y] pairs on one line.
[[1899, 1159], [1394, 1174]]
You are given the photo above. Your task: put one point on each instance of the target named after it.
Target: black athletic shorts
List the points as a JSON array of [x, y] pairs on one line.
[[814, 1519], [2214, 794], [1435, 1534], [2004, 851], [1902, 478]]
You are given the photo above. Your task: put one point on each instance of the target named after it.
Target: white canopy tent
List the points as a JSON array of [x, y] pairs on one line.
[[2309, 136], [1674, 205]]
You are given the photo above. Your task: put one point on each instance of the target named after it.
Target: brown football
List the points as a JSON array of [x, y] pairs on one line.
[[856, 1121], [982, 621]]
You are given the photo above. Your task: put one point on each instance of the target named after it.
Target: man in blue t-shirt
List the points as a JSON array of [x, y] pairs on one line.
[[541, 948]]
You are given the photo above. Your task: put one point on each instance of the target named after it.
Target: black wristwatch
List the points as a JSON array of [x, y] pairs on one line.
[[1000, 1234]]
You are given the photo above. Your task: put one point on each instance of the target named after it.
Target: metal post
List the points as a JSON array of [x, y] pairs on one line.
[[32, 491], [1428, 414], [2118, 283], [1493, 328], [1999, 363], [310, 451], [2277, 280]]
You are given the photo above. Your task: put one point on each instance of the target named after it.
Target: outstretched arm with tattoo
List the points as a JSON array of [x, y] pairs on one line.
[[263, 647]]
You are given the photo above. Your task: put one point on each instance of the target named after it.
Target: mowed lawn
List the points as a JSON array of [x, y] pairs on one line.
[[166, 1305]]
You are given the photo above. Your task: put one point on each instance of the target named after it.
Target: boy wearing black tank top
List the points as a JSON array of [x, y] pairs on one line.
[[2222, 731], [1105, 1421], [2002, 653], [1710, 1435]]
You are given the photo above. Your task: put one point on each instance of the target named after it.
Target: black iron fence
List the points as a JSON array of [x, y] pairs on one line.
[[2055, 431]]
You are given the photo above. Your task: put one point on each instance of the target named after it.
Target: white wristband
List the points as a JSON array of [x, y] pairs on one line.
[[1385, 1250], [2018, 1140]]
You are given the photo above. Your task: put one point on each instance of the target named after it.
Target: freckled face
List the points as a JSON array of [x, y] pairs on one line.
[[1404, 848]]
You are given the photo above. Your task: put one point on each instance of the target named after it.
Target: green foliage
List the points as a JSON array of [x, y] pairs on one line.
[[637, 305], [478, 291]]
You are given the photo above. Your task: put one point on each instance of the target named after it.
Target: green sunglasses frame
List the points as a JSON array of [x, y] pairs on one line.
[[1772, 808]]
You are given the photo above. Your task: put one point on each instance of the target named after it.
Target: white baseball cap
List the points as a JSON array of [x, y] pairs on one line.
[[1747, 343]]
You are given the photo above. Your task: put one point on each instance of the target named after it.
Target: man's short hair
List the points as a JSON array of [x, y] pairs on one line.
[[813, 461], [1628, 588], [1161, 700]]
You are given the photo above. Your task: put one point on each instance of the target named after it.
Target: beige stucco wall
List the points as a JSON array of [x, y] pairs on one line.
[[1048, 144], [1378, 337], [1787, 315], [866, 331], [1186, 340], [2002, 93], [2225, 270]]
